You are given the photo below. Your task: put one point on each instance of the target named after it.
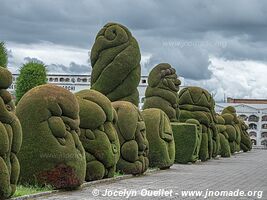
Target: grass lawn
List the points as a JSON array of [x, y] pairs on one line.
[[26, 190]]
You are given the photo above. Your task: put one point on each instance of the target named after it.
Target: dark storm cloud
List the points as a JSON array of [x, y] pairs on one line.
[[183, 33]]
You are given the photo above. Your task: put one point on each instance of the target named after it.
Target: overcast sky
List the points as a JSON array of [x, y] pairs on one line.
[[219, 45]]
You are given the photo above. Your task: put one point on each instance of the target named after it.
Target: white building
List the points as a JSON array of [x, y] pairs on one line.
[[255, 116]]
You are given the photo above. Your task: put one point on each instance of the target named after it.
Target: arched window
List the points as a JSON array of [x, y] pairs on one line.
[[253, 118], [67, 80], [252, 134], [254, 142], [264, 134], [244, 117], [264, 126], [50, 79], [61, 79], [264, 118], [84, 80], [264, 142], [56, 79], [252, 126]]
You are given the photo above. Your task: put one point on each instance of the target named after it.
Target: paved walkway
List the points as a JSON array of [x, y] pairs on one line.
[[244, 172]]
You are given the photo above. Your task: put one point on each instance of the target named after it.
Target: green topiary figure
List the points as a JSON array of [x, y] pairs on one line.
[[232, 128], [245, 144], [31, 75], [162, 89], [197, 103], [131, 130], [115, 59], [225, 150], [3, 55], [98, 134], [10, 138], [160, 137], [51, 152], [187, 137]]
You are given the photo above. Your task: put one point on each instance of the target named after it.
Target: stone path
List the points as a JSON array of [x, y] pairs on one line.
[[243, 171]]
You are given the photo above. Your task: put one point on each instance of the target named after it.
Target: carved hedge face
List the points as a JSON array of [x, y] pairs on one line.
[[165, 77], [131, 130], [49, 117], [10, 138], [160, 137], [98, 134]]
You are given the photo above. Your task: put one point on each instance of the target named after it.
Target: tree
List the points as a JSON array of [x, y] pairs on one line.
[[31, 75], [3, 55]]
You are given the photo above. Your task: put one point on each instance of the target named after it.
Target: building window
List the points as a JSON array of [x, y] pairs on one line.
[[56, 79], [61, 80], [254, 142], [253, 118], [50, 79], [264, 135], [264, 142], [78, 80], [264, 118], [252, 134], [244, 117], [73, 80], [252, 126], [264, 126], [84, 80], [143, 80], [67, 80]]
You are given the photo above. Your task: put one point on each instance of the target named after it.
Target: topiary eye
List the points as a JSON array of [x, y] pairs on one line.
[[8, 107]]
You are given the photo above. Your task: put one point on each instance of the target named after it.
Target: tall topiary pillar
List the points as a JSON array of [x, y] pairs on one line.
[[225, 150], [98, 134], [131, 130], [115, 59], [160, 137], [162, 89], [51, 152], [10, 138]]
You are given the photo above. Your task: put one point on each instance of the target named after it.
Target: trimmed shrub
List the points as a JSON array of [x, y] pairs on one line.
[[31, 75], [224, 150], [245, 143], [10, 138], [51, 152], [187, 137], [131, 130], [115, 59], [3, 55], [160, 137], [197, 103], [98, 134], [162, 89]]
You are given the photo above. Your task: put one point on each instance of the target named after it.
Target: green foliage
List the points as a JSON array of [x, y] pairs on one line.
[[245, 143], [3, 55], [160, 137], [162, 89], [31, 75], [187, 137], [51, 152], [98, 134], [224, 144], [23, 190], [115, 59], [131, 130], [10, 138]]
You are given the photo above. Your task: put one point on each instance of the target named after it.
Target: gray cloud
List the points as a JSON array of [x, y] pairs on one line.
[[241, 25]]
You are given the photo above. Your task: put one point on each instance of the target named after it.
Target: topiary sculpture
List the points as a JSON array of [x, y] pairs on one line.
[[225, 150], [10, 138], [51, 152], [187, 137], [245, 144], [98, 134], [160, 137], [115, 59], [131, 130], [162, 89], [197, 103]]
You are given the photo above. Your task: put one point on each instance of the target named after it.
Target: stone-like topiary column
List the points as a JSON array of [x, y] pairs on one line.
[[98, 134], [225, 150], [245, 144], [115, 59], [197, 103], [160, 137], [131, 130], [51, 152], [163, 85], [10, 138]]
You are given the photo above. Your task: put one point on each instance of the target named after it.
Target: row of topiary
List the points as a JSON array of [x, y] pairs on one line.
[[90, 135]]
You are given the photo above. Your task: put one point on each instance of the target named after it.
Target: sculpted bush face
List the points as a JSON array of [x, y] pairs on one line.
[[197, 103], [115, 59], [51, 152], [160, 137], [98, 134], [163, 85], [10, 138], [131, 130]]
